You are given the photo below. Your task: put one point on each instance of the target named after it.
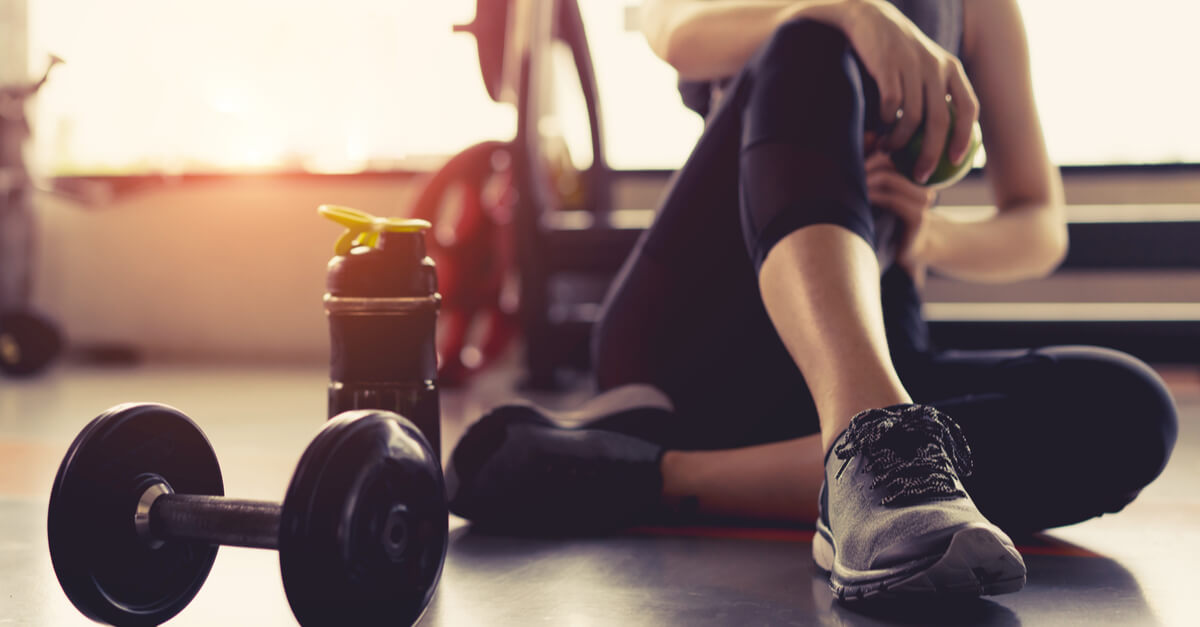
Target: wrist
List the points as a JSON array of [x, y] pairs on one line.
[[836, 13], [935, 236]]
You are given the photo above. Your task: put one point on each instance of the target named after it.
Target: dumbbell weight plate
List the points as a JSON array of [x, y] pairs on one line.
[[110, 573], [364, 523]]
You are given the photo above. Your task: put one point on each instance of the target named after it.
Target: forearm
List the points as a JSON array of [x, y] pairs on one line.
[[706, 40], [1019, 243]]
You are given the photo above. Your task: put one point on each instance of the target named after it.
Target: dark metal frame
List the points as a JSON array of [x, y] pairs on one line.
[[548, 251]]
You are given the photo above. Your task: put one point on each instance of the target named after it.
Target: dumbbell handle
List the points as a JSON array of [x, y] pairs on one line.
[[163, 516]]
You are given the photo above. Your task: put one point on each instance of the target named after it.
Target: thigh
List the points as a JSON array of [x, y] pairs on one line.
[[1059, 434]]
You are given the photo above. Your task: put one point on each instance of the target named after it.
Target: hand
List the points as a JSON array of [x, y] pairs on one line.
[[888, 189], [915, 76]]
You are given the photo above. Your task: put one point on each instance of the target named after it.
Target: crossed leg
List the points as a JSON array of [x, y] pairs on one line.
[[787, 288], [767, 326]]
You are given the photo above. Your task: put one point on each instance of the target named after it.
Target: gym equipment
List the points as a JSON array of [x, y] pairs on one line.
[[382, 304], [946, 173], [508, 215], [565, 264], [490, 29], [137, 511], [470, 199], [28, 343], [565, 243]]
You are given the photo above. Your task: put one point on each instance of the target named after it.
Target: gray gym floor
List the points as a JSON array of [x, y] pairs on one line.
[[1135, 568]]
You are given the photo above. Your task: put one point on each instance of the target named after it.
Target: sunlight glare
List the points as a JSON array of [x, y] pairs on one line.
[[384, 84]]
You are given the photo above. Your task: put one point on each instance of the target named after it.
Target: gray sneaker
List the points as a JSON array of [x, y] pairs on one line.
[[895, 519]]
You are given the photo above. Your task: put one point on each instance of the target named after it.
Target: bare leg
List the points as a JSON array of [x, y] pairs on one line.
[[820, 286], [819, 283], [776, 481]]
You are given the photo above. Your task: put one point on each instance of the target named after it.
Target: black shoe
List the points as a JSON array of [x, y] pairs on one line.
[[517, 471], [637, 409], [895, 519]]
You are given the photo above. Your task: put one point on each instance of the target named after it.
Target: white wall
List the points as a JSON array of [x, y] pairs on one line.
[[234, 268], [224, 269], [14, 45]]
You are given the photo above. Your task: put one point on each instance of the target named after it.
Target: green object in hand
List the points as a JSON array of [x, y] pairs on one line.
[[946, 173]]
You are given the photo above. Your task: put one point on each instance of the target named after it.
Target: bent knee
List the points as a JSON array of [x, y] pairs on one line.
[[804, 39], [806, 69], [1129, 413], [812, 58]]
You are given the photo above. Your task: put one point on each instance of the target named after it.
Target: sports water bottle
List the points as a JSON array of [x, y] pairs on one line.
[[382, 303]]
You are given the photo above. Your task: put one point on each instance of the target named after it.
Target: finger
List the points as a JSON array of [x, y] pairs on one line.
[[881, 188], [870, 142], [891, 96], [966, 112], [937, 125], [914, 105], [919, 195], [878, 161], [895, 203], [913, 195]]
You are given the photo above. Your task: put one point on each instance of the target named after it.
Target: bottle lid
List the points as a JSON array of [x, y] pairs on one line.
[[363, 229]]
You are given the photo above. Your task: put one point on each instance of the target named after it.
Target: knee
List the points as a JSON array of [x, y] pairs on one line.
[[801, 41], [808, 58], [1128, 414]]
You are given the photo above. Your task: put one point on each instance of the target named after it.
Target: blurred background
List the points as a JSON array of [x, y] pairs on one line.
[[180, 152], [158, 206]]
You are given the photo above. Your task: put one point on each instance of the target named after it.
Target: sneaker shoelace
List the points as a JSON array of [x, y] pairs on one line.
[[913, 451]]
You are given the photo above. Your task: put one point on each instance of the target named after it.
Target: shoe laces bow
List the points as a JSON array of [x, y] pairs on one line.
[[914, 452]]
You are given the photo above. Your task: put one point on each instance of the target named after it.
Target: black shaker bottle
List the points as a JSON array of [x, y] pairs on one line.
[[382, 302]]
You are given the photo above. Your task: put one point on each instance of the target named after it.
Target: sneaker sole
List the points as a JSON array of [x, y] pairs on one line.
[[617, 400], [977, 562]]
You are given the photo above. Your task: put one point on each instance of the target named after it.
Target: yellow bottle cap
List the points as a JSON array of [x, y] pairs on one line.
[[363, 229]]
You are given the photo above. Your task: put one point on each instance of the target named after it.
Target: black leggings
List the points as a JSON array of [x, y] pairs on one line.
[[1060, 434]]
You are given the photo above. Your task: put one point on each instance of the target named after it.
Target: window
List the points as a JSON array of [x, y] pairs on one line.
[[256, 84], [1114, 81], [153, 86]]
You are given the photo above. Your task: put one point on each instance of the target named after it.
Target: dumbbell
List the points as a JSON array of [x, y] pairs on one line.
[[137, 513]]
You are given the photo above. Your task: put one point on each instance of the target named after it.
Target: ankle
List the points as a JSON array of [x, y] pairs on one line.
[[679, 498], [673, 488], [836, 417]]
